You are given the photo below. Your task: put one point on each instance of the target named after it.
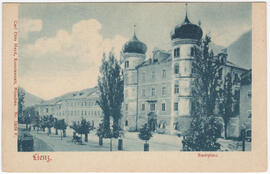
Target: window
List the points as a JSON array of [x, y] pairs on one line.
[[176, 88], [126, 107], [143, 92], [176, 106], [176, 52], [153, 91], [164, 74], [176, 68], [192, 51], [193, 71], [126, 64], [152, 107], [163, 107], [153, 75], [143, 107], [163, 91]]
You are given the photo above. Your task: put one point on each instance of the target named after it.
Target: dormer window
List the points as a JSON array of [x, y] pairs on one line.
[[127, 64], [176, 52]]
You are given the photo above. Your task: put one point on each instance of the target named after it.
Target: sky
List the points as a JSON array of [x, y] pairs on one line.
[[61, 45]]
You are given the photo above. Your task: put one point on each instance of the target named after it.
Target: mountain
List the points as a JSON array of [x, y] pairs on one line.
[[30, 99], [216, 48], [240, 51], [75, 94]]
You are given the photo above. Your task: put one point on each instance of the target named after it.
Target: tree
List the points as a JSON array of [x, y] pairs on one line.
[[100, 133], [29, 116], [61, 125], [21, 95], [49, 123], [103, 101], [205, 127], [77, 129], [82, 127], [43, 123], [36, 122], [111, 86], [86, 127], [145, 134], [226, 102], [205, 132], [56, 126]]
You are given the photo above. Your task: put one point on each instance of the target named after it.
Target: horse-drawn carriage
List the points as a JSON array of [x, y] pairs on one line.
[[76, 139], [26, 143]]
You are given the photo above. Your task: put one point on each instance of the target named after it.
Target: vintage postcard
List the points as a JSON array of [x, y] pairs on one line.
[[134, 87]]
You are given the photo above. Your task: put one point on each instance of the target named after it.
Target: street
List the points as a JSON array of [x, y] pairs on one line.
[[131, 142]]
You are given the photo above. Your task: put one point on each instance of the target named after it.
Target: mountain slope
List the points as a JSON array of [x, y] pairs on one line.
[[240, 51], [73, 94], [30, 99]]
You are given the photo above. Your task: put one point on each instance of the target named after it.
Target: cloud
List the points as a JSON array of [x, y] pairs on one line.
[[29, 25], [68, 61]]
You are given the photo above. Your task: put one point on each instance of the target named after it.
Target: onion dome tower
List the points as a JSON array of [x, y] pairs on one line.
[[134, 46], [134, 54], [185, 39]]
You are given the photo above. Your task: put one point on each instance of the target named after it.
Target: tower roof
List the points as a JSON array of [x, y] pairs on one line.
[[187, 30], [134, 45]]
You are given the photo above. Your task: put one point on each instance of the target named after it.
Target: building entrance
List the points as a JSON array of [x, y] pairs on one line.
[[152, 121]]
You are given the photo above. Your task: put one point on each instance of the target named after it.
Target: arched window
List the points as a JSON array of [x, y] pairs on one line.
[[164, 74], [176, 68]]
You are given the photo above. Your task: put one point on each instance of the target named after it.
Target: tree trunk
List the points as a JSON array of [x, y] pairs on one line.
[[81, 139], [110, 144], [56, 131], [225, 129], [100, 140], [64, 133], [146, 146], [61, 135], [120, 144], [49, 131], [86, 137]]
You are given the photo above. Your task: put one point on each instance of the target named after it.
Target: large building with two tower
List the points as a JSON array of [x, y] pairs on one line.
[[158, 90]]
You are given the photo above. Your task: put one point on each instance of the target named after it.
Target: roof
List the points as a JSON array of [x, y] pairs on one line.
[[229, 63], [85, 93], [159, 57]]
